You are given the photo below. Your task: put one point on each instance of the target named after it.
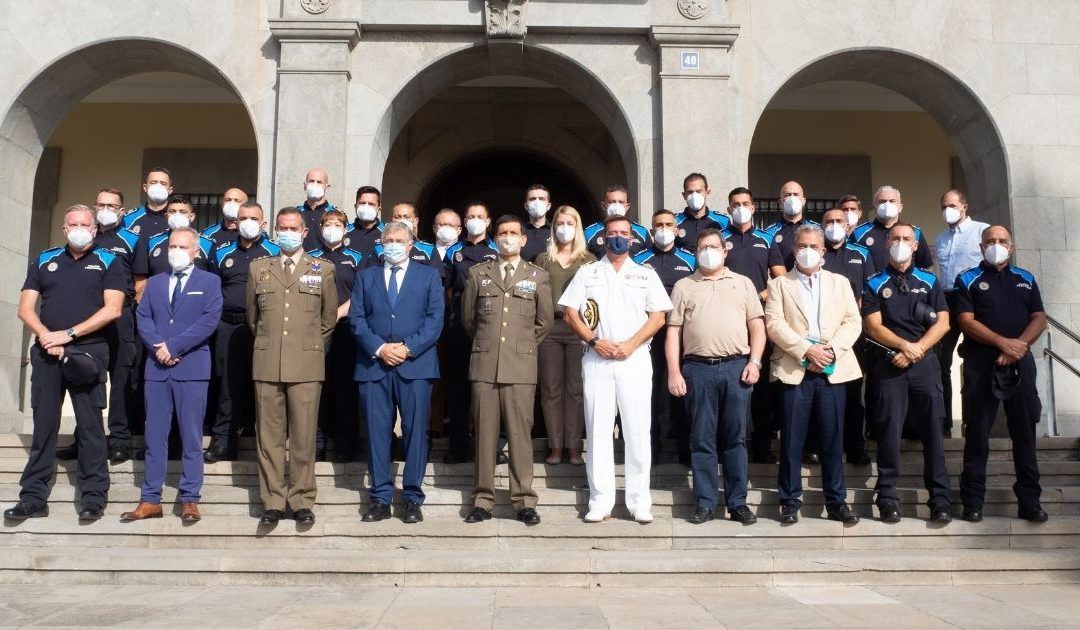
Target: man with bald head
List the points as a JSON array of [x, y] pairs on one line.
[[226, 230], [316, 185], [793, 205], [874, 235]]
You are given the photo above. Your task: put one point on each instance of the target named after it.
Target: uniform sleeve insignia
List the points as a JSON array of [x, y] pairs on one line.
[[591, 314], [779, 237], [886, 293], [984, 285], [229, 263], [869, 241], [52, 266], [458, 257]]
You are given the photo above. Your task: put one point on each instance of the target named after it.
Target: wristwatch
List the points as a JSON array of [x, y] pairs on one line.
[[756, 362], [592, 342], [408, 352], [71, 333]]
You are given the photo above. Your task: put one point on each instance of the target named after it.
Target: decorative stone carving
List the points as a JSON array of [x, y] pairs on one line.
[[506, 19], [694, 9], [315, 6]]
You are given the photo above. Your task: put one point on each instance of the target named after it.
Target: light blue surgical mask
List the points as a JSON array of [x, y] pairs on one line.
[[394, 253], [289, 241]]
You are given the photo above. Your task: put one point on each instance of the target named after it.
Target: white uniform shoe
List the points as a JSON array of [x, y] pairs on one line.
[[643, 517], [596, 517]]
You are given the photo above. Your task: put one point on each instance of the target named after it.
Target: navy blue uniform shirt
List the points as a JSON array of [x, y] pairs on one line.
[[1003, 301], [895, 293], [231, 264], [672, 265], [73, 290], [687, 226], [123, 243], [748, 255], [782, 234], [851, 261], [873, 236]]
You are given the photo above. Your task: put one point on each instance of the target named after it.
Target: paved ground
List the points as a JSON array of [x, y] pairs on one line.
[[533, 608]]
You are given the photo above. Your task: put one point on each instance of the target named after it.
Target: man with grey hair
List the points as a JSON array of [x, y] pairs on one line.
[[874, 235]]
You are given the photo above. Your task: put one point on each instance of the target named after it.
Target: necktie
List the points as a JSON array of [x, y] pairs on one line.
[[392, 290], [176, 289], [508, 275], [288, 268]]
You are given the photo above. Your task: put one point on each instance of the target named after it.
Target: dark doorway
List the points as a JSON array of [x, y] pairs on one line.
[[499, 179]]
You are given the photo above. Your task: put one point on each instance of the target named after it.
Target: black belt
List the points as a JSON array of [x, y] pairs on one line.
[[693, 358], [234, 318]]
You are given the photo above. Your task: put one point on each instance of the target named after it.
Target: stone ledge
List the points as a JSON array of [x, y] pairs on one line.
[[316, 30]]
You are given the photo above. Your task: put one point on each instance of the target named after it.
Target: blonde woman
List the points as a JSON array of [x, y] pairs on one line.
[[560, 353]]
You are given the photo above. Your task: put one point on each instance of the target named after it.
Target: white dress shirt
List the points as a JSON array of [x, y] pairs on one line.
[[387, 267], [183, 281], [957, 249], [811, 299]]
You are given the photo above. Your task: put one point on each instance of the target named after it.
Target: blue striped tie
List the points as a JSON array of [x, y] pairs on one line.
[[392, 290]]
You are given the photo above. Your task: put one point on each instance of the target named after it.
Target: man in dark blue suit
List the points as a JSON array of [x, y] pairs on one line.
[[396, 315], [177, 315]]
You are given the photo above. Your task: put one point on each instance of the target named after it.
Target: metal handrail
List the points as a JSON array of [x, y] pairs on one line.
[[1050, 356]]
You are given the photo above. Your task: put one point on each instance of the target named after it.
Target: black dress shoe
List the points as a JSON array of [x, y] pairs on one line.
[[413, 513], [91, 513], [304, 516], [22, 511], [701, 515], [842, 513], [478, 515], [528, 516], [68, 453], [218, 451], [941, 514], [1035, 515], [890, 513], [763, 458], [861, 458], [377, 511], [973, 514], [456, 457], [271, 517], [119, 454], [742, 514], [789, 514], [501, 458], [811, 458]]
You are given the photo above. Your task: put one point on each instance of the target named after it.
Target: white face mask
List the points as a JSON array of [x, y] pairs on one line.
[[537, 208], [853, 218], [79, 237], [366, 212], [900, 253], [230, 210], [616, 208], [509, 245], [710, 259], [249, 229], [996, 254], [157, 193], [332, 234], [664, 237], [447, 235], [950, 214], [808, 258], [314, 191], [742, 215], [107, 218], [834, 233], [565, 233], [476, 226], [179, 259], [178, 220], [695, 201], [887, 211], [395, 253], [793, 206]]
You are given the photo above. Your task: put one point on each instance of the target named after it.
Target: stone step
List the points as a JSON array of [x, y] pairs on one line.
[[564, 568]]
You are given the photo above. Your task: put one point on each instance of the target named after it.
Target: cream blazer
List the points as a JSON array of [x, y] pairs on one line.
[[788, 327]]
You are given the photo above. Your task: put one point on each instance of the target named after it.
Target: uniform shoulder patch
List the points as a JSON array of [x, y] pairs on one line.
[[222, 252], [1023, 273], [686, 257], [643, 257], [925, 276], [855, 247], [48, 255], [860, 230], [763, 235], [967, 278], [105, 256], [128, 236], [876, 281], [271, 248]]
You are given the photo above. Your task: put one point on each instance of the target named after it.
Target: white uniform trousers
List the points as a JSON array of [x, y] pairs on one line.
[[625, 387]]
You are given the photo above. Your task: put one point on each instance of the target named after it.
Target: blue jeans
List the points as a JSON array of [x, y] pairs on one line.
[[718, 403], [815, 397]]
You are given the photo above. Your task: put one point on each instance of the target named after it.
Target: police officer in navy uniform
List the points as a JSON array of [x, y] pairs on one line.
[[152, 256], [671, 263], [225, 231], [697, 215], [854, 263], [339, 406], [422, 251], [366, 230], [1001, 315], [234, 342], [537, 229], [616, 202], [904, 312], [123, 347], [316, 185], [873, 234], [81, 292], [748, 255], [462, 257], [782, 233], [150, 219]]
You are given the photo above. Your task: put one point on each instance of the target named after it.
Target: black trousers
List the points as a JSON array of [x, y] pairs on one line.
[[459, 389], [980, 410], [945, 350], [764, 409], [339, 403], [125, 378], [47, 389], [666, 409], [233, 347], [914, 393], [854, 415]]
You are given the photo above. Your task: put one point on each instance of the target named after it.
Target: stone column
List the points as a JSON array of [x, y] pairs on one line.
[[694, 103], [312, 106]]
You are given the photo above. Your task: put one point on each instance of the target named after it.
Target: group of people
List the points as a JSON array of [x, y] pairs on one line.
[[701, 322]]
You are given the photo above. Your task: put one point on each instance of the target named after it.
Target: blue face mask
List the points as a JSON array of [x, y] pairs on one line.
[[394, 253], [617, 245], [289, 241]]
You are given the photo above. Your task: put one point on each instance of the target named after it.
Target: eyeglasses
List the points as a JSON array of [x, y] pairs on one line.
[[108, 206]]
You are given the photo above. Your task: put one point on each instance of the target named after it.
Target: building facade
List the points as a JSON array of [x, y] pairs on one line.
[[441, 101]]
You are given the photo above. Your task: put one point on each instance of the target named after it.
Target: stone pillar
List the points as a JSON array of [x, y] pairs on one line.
[[694, 105], [312, 106]]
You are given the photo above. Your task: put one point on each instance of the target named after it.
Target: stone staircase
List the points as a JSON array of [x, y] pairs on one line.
[[229, 547]]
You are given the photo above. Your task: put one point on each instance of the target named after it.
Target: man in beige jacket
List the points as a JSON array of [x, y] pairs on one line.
[[813, 320]]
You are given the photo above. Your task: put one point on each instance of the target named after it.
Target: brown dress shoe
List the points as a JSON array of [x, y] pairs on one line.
[[143, 511], [191, 513]]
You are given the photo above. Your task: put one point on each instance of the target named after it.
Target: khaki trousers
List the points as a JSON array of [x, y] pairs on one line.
[[286, 410], [513, 405]]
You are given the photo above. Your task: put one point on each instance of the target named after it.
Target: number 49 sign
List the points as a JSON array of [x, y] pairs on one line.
[[690, 60]]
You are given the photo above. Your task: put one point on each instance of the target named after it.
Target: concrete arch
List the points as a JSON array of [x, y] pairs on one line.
[[947, 99]]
